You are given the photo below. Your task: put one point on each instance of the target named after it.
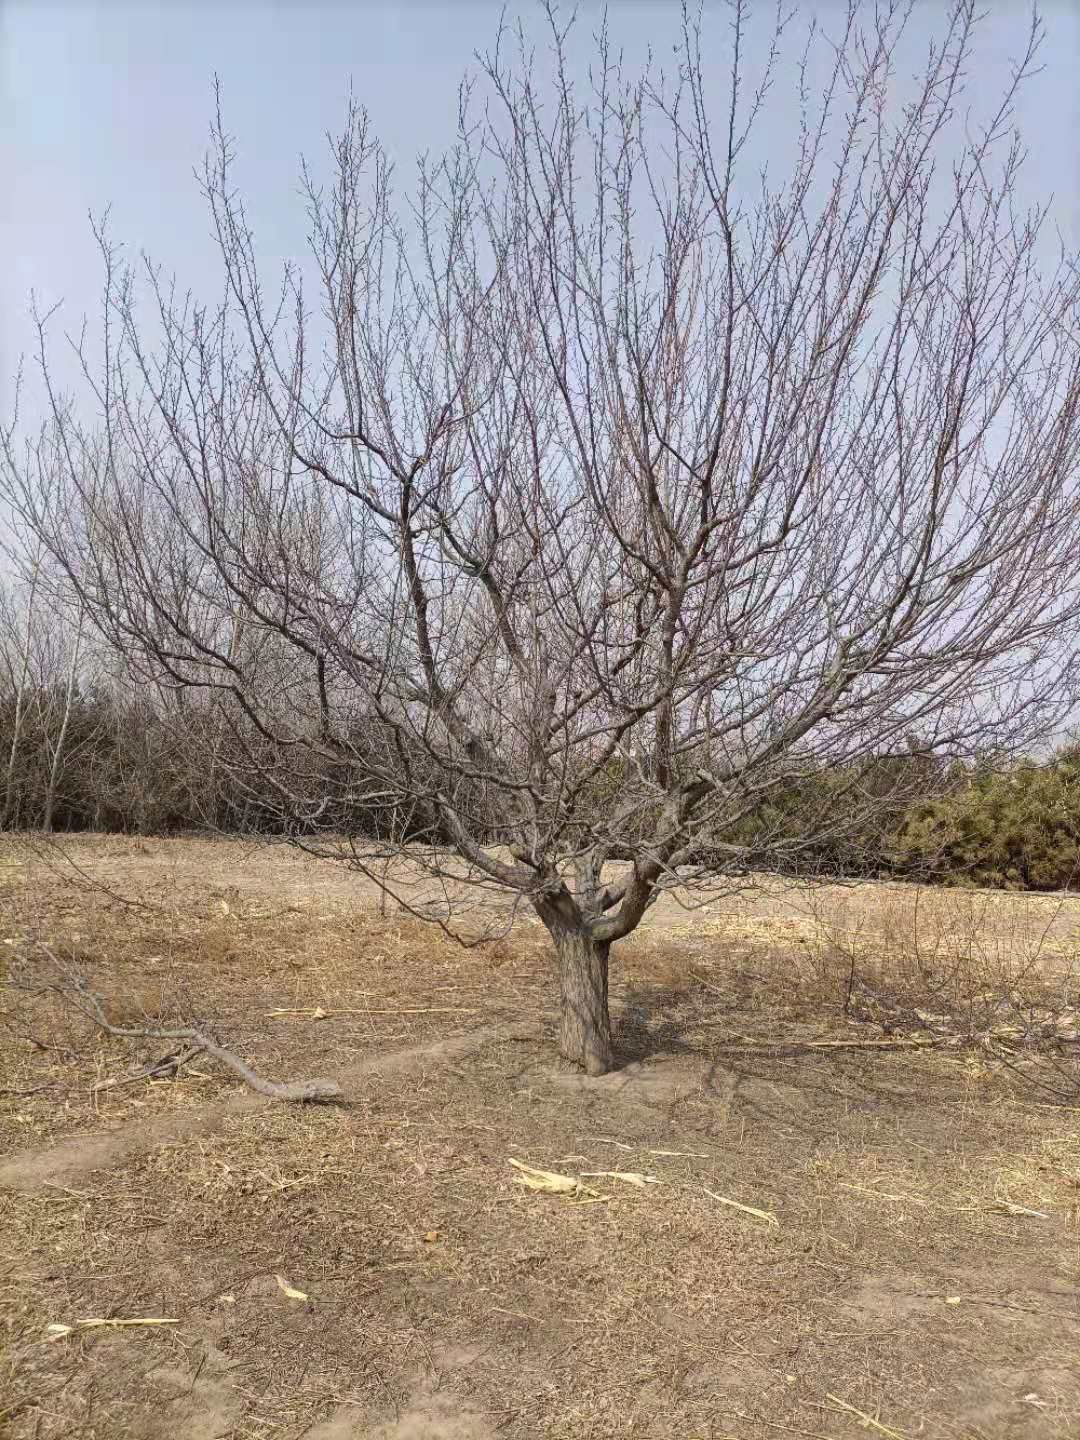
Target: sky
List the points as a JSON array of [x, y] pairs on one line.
[[104, 103]]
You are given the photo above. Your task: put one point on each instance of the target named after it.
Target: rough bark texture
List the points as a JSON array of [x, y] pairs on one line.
[[585, 1026]]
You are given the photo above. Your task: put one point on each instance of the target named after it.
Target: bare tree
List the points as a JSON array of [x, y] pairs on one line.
[[605, 487], [17, 645], [56, 705], [43, 662]]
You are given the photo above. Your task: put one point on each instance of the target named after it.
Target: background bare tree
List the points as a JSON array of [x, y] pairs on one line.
[[18, 612], [605, 487], [42, 660]]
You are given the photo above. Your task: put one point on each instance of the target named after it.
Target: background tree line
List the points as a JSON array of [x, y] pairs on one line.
[[86, 746]]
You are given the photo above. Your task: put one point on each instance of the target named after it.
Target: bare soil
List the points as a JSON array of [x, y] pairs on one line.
[[854, 1065]]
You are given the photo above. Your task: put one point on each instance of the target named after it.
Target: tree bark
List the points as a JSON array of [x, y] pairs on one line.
[[585, 1025]]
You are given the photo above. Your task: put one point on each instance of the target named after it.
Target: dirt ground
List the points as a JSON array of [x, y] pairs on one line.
[[852, 1116]]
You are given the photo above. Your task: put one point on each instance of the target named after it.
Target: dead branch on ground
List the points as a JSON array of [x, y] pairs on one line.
[[74, 990]]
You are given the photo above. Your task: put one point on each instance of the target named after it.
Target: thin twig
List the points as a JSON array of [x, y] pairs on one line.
[[316, 1012], [868, 1421], [170, 1063]]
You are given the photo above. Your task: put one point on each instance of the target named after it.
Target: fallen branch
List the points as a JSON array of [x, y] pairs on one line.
[[749, 1044], [84, 1000], [908, 1042]]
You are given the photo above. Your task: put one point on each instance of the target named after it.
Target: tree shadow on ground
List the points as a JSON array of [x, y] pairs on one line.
[[777, 1075], [654, 1020]]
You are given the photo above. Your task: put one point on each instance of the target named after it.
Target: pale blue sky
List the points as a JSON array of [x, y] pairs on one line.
[[107, 103]]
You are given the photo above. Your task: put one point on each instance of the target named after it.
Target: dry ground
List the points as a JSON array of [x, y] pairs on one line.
[[891, 1285]]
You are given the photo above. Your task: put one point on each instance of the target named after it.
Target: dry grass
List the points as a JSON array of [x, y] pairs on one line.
[[904, 1289]]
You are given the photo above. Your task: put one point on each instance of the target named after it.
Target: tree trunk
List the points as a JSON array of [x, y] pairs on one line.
[[20, 705], [56, 767], [585, 1028]]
